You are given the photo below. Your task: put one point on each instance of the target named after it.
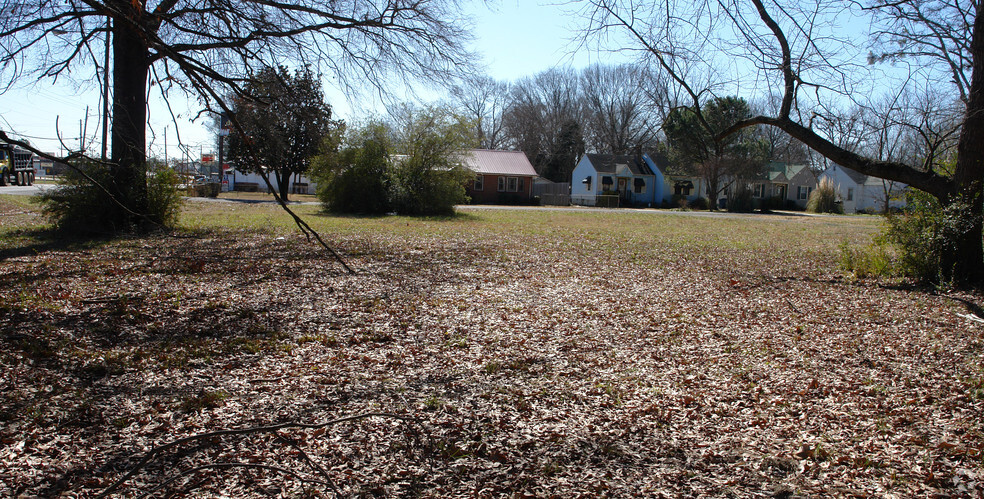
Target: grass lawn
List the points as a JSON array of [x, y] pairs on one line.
[[507, 353], [265, 196]]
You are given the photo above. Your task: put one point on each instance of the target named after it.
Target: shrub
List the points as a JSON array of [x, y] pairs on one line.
[[920, 235], [823, 199], [770, 204], [876, 259], [700, 203], [417, 189], [80, 206], [163, 198], [741, 200], [679, 201], [356, 181], [913, 243], [208, 190]]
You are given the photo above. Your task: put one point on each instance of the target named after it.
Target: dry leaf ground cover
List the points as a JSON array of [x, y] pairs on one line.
[[512, 353]]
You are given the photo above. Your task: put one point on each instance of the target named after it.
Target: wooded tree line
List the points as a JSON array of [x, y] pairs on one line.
[[557, 115]]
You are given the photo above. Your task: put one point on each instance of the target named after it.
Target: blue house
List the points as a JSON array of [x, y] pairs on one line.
[[617, 180]]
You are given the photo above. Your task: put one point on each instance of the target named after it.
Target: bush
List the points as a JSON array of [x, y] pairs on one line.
[[913, 243], [163, 198], [741, 200], [679, 201], [357, 183], [876, 259], [921, 234], [700, 203], [769, 204], [208, 190], [823, 199], [416, 189], [81, 207]]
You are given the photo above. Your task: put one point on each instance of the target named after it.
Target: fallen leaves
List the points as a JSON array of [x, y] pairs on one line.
[[537, 353]]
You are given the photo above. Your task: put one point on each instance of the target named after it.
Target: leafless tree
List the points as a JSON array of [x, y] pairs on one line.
[[620, 107], [781, 147], [800, 50], [208, 48], [544, 118], [484, 100]]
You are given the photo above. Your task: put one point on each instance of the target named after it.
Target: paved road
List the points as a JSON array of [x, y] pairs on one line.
[[715, 214], [25, 190], [38, 188]]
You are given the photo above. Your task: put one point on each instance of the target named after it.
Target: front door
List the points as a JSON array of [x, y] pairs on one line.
[[623, 190], [780, 191]]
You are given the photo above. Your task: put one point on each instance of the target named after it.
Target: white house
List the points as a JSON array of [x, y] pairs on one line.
[[617, 180], [863, 193]]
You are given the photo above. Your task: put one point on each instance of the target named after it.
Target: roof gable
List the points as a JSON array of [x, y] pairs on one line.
[[619, 164], [801, 174], [858, 178], [489, 162]]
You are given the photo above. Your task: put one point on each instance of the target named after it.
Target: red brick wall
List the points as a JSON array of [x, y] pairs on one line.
[[490, 193]]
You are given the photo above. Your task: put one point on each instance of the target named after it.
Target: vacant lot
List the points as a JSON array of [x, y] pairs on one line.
[[509, 353]]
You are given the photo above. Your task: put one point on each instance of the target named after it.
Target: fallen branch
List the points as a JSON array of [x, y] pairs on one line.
[[304, 227], [311, 462], [971, 317], [241, 431], [267, 467]]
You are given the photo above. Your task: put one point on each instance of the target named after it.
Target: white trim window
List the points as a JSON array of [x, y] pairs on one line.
[[479, 183], [802, 192], [850, 194], [759, 191], [502, 184], [512, 184]]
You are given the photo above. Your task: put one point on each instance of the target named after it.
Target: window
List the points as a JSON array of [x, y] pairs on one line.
[[502, 184], [683, 188], [587, 183], [479, 183], [802, 192], [850, 194], [512, 184], [759, 191], [522, 184], [640, 185]]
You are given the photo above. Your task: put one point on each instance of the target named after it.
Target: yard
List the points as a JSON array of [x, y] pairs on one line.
[[499, 353]]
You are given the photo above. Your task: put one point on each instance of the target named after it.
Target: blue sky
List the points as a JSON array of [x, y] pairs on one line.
[[515, 38]]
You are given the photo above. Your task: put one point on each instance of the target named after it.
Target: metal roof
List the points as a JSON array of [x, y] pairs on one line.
[[490, 162]]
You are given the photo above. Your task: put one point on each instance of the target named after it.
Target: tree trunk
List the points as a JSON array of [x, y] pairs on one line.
[[130, 69], [712, 192], [283, 183], [967, 259]]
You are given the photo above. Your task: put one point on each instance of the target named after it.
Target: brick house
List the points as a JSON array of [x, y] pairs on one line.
[[501, 177]]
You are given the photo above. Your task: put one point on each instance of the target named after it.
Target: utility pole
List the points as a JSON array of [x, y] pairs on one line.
[[105, 129]]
